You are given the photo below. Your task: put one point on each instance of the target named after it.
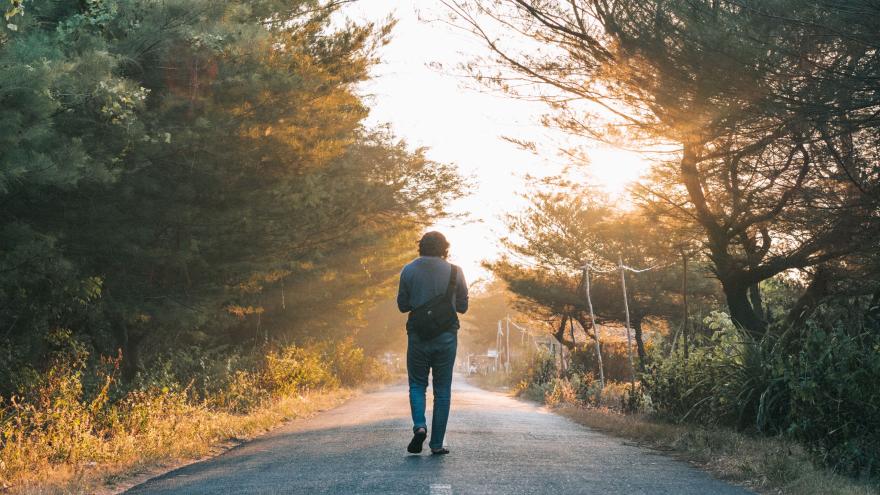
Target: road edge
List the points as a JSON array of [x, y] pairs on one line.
[[141, 474], [704, 449]]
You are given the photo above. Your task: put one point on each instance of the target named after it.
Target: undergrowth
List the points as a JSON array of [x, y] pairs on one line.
[[781, 414], [69, 430]]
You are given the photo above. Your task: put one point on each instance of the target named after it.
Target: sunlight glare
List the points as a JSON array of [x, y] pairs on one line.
[[613, 169], [464, 126]]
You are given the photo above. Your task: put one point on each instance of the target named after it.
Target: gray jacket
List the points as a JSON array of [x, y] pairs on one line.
[[426, 277]]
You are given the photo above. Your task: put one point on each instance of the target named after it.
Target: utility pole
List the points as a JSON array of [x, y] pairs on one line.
[[498, 335], [507, 346], [593, 323], [632, 367]]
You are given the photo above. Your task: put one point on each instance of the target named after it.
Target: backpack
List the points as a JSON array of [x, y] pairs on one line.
[[438, 314]]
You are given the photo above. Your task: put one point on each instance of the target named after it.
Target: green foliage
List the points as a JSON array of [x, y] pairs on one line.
[[819, 388], [768, 105], [186, 185], [770, 108], [168, 168], [563, 229], [835, 403], [730, 379]]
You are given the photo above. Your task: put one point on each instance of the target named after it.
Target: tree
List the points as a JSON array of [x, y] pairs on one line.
[[167, 167], [560, 232], [767, 105]]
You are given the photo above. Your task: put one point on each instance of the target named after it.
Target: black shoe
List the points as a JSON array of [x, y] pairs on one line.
[[442, 451], [415, 445]]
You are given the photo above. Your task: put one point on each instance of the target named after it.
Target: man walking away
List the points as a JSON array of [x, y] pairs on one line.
[[433, 291]]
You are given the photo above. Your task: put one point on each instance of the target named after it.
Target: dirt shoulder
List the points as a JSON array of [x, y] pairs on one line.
[[766, 465]]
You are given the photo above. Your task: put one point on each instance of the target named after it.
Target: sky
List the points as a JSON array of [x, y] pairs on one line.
[[419, 91]]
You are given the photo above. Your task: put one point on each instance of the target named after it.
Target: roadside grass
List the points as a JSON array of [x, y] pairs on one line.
[[771, 465], [75, 433], [176, 435], [766, 465]]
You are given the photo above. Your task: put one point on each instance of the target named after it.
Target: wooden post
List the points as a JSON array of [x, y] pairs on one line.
[[497, 345], [632, 368], [684, 295], [507, 345], [593, 323]]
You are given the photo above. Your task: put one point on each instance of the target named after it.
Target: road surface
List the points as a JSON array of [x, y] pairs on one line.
[[499, 446]]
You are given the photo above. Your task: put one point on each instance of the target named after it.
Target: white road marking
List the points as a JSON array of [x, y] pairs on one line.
[[437, 489]]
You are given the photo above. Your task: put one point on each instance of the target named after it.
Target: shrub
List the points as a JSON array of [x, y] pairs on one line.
[[586, 388], [542, 369], [61, 421], [731, 379], [349, 364], [817, 383], [559, 391], [835, 403], [292, 370], [243, 393], [615, 361]]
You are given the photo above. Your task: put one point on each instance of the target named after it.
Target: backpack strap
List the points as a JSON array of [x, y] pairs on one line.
[[450, 289]]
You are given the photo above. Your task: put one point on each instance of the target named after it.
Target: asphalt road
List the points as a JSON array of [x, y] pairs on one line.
[[499, 446]]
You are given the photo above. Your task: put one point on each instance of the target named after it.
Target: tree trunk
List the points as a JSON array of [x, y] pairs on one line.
[[559, 335], [729, 273], [640, 343], [757, 301], [129, 344], [741, 310], [818, 288]]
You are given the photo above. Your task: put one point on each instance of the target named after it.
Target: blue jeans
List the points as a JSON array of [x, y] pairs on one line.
[[437, 355]]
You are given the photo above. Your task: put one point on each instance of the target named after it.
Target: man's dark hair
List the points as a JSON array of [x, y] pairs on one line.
[[433, 244]]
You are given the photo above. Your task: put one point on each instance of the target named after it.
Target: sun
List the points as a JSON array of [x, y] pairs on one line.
[[478, 239], [613, 169]]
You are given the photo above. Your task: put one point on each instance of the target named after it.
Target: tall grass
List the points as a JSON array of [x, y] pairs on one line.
[[688, 407], [59, 429], [816, 384]]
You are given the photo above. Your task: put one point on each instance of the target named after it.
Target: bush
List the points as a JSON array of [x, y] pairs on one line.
[[349, 364], [243, 393], [292, 370], [541, 381], [615, 361], [817, 383], [559, 391], [586, 388], [65, 419], [541, 370], [835, 403], [730, 379]]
